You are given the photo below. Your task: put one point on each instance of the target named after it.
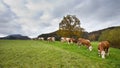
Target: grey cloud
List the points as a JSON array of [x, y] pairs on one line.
[[9, 28], [7, 24], [44, 24], [109, 10], [37, 15], [7, 15], [65, 8], [99, 10]]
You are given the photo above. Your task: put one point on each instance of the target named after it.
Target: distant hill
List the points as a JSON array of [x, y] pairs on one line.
[[15, 36], [86, 34]]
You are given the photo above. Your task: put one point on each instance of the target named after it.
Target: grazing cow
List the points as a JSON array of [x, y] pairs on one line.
[[103, 48], [84, 42], [40, 38], [68, 40], [65, 39], [51, 39]]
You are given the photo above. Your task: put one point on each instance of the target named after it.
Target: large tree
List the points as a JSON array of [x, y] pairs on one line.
[[70, 27]]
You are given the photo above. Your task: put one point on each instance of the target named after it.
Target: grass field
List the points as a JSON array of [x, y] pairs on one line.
[[43, 54]]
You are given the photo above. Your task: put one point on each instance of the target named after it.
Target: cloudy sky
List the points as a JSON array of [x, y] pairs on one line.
[[35, 17]]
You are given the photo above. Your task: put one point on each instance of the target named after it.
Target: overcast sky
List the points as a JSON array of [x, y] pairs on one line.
[[35, 17]]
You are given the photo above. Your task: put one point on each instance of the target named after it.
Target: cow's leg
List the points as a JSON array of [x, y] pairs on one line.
[[68, 42], [99, 52], [90, 48], [71, 42], [103, 54], [107, 52], [79, 44]]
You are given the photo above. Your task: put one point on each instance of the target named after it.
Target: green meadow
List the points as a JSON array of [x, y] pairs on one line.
[[44, 54]]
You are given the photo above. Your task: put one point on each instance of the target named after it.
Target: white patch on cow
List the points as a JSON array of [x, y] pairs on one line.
[[53, 38], [88, 40], [103, 54], [67, 39], [48, 38], [90, 48], [62, 39]]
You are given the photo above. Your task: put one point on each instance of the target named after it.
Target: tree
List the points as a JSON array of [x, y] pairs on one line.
[[70, 27]]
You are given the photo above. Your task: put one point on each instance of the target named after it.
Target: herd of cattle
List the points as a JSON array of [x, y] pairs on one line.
[[103, 46]]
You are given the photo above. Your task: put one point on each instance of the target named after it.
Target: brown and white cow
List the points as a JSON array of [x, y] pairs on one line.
[[103, 48], [82, 41], [51, 39], [68, 40], [41, 38], [65, 39]]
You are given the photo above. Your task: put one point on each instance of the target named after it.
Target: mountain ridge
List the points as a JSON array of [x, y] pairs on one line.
[[15, 37]]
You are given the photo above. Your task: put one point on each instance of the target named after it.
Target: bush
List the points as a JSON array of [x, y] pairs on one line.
[[113, 36]]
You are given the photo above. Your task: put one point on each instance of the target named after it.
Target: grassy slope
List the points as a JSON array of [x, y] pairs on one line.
[[37, 54]]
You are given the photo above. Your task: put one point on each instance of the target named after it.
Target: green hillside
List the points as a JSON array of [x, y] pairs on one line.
[[43, 54]]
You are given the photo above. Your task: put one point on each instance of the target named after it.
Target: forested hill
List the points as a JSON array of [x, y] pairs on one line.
[[99, 32]]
